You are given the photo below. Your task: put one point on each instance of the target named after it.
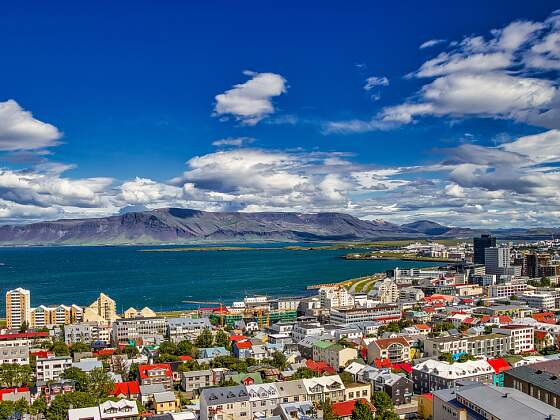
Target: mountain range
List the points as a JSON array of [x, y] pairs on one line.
[[176, 226]]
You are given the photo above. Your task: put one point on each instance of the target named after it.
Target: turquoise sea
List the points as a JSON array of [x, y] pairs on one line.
[[162, 280]]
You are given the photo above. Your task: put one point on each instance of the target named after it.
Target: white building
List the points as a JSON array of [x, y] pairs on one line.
[[544, 301], [335, 297], [506, 290], [522, 337], [51, 369], [385, 291], [306, 329]]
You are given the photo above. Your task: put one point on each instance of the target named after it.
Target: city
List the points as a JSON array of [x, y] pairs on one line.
[[422, 343]]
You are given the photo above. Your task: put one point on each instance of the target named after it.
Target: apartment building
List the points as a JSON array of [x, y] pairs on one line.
[[431, 375], [179, 329], [542, 301], [51, 369], [103, 309], [43, 316], [398, 387], [521, 337], [411, 294], [18, 308], [539, 380], [506, 290], [264, 399], [14, 355], [397, 350], [324, 388], [124, 330], [194, 381], [479, 401], [87, 332], [335, 297], [383, 314], [306, 329], [490, 345], [156, 374], [385, 291], [29, 339]]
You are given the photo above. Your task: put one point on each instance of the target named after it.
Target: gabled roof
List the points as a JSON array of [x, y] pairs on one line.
[[345, 408], [126, 388], [386, 342], [144, 369]]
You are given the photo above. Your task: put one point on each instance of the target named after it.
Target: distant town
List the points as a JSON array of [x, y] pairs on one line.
[[476, 335]]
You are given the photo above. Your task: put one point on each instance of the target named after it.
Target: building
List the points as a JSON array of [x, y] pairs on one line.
[[194, 381], [385, 291], [539, 380], [125, 330], [480, 244], [29, 339], [521, 337], [490, 345], [381, 313], [44, 316], [231, 402], [497, 260], [431, 375], [145, 312], [343, 410], [179, 329], [531, 266], [103, 309], [543, 301], [397, 350], [335, 297], [324, 388], [333, 354], [264, 399], [156, 374], [14, 355], [479, 401], [306, 329], [506, 290], [165, 402], [398, 387], [411, 294], [109, 410], [87, 332], [18, 308], [51, 369]]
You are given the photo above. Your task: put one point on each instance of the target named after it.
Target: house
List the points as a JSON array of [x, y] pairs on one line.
[[291, 391], [343, 410], [193, 381], [244, 378], [15, 394], [396, 349], [211, 353], [357, 390], [543, 339], [129, 390], [87, 364], [431, 375], [297, 410], [166, 402], [398, 387], [425, 405], [539, 380], [335, 355], [322, 368], [264, 399], [156, 374], [147, 392], [323, 388], [231, 402], [109, 410]]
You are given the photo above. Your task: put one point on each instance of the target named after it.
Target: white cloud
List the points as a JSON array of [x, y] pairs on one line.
[[431, 43], [233, 141], [20, 131], [373, 81], [251, 101]]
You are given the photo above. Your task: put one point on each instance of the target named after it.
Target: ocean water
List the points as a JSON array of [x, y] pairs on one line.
[[162, 280]]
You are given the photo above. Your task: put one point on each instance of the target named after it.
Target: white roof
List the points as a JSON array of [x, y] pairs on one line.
[[259, 392], [354, 368], [323, 381], [455, 370]]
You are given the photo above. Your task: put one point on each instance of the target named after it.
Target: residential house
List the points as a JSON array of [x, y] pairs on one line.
[[397, 350], [264, 399], [194, 381], [156, 374], [431, 375], [166, 402], [109, 410], [323, 388], [335, 355], [230, 402]]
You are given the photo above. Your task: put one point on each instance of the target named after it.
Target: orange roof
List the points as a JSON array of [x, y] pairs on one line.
[[12, 391], [345, 408], [126, 388], [144, 369], [105, 352], [423, 327], [383, 343], [185, 358], [540, 335], [243, 344], [237, 337], [320, 367], [428, 395]]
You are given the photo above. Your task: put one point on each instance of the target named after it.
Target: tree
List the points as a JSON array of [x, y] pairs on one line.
[[60, 405], [382, 402], [221, 339], [39, 406], [131, 351], [79, 348], [326, 408], [23, 327], [279, 360], [227, 382], [167, 347], [14, 375], [7, 409], [446, 357], [78, 375], [205, 339], [118, 365], [100, 383], [361, 411], [187, 348], [164, 357], [304, 373], [60, 348], [346, 378], [133, 372]]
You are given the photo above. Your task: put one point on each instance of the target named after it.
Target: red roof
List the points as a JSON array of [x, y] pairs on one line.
[[185, 358], [382, 363], [320, 367], [243, 344], [237, 337], [345, 408], [428, 395], [407, 367], [126, 388], [144, 369], [32, 334], [499, 365], [540, 335], [12, 391], [43, 354], [105, 352]]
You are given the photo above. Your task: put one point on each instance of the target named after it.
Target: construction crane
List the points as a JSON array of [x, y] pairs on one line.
[[207, 302]]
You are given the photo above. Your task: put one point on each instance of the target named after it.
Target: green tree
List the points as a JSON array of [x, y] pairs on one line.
[[39, 406], [133, 372], [78, 375], [188, 366], [388, 415], [279, 360], [60, 348], [326, 408], [446, 357], [382, 402], [59, 406], [79, 348], [346, 378], [23, 327], [7, 409], [221, 339], [167, 347], [131, 351], [14, 375], [100, 383], [304, 373], [205, 339], [164, 357], [361, 411], [187, 348]]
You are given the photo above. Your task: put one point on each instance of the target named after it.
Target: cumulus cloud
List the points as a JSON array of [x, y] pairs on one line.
[[20, 131], [251, 101], [505, 76]]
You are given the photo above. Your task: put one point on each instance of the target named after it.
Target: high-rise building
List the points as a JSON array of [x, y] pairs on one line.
[[532, 265], [497, 260], [480, 244], [18, 308]]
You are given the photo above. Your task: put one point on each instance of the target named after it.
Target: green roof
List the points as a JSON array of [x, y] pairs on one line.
[[322, 344]]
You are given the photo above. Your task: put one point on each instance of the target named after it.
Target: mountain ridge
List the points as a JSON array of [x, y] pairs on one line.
[[177, 226]]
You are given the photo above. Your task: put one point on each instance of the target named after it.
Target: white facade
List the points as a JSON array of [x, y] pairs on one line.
[[522, 337], [539, 300], [335, 297], [51, 369]]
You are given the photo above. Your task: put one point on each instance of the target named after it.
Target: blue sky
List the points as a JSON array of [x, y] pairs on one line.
[[395, 111]]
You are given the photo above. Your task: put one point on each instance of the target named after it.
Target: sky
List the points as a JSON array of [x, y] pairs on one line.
[[399, 111]]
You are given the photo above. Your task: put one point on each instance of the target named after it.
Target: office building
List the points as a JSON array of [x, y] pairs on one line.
[[480, 244], [497, 260], [18, 308]]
